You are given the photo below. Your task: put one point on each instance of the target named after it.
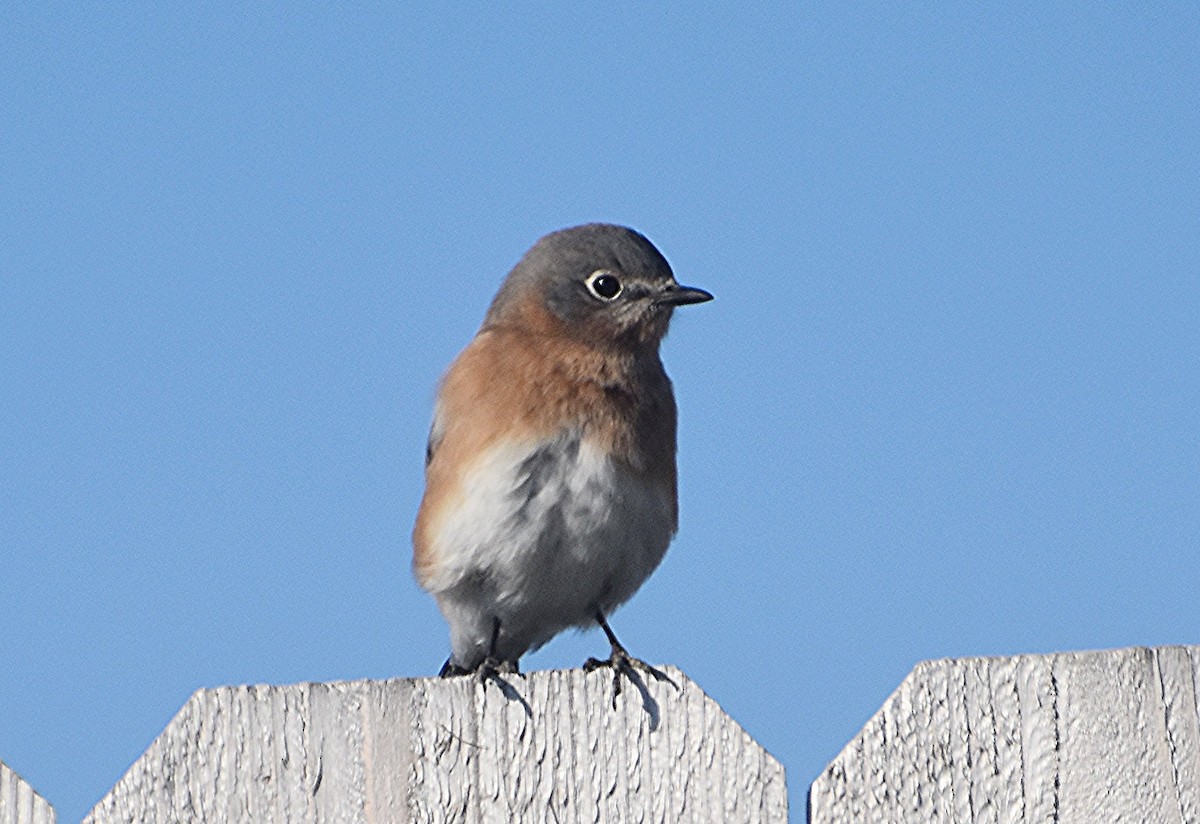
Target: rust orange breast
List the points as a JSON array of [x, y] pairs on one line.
[[528, 381]]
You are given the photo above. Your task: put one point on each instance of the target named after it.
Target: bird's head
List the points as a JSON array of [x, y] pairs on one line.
[[601, 283]]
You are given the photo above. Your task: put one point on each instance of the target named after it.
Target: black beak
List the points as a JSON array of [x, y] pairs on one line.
[[675, 295]]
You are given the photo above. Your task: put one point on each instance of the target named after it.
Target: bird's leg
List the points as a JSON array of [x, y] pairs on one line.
[[489, 667], [621, 661]]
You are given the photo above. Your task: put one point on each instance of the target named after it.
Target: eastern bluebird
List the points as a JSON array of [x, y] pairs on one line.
[[550, 472]]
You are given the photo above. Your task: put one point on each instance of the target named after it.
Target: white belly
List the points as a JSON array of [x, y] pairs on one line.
[[546, 535]]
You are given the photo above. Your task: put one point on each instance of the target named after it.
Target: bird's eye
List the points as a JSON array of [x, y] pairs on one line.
[[604, 285]]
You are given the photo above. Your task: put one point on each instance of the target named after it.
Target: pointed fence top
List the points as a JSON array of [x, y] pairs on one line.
[[19, 804], [540, 747], [1074, 737]]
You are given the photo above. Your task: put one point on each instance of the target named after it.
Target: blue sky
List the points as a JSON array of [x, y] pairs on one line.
[[945, 404]]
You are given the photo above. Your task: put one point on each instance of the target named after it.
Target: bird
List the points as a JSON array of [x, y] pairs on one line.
[[550, 470]]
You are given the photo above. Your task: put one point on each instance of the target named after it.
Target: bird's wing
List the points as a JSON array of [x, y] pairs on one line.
[[436, 430]]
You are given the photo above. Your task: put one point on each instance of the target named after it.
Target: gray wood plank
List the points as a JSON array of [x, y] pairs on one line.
[[549, 746], [1034, 739]]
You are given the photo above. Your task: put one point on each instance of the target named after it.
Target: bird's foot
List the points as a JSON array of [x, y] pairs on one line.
[[488, 668], [623, 663]]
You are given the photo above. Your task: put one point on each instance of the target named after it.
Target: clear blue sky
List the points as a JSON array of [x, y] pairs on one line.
[[946, 403]]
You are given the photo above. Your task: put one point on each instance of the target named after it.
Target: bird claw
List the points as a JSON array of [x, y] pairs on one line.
[[623, 663], [491, 669], [488, 669]]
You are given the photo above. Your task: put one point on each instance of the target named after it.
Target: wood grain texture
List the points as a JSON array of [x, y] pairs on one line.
[[1073, 737], [19, 804], [547, 747]]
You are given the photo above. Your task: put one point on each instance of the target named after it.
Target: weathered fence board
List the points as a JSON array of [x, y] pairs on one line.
[[19, 804], [1061, 739], [548, 746]]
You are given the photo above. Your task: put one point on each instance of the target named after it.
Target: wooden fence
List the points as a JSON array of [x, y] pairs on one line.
[[1076, 737]]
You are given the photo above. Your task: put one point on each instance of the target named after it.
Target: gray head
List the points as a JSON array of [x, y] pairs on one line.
[[603, 283]]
